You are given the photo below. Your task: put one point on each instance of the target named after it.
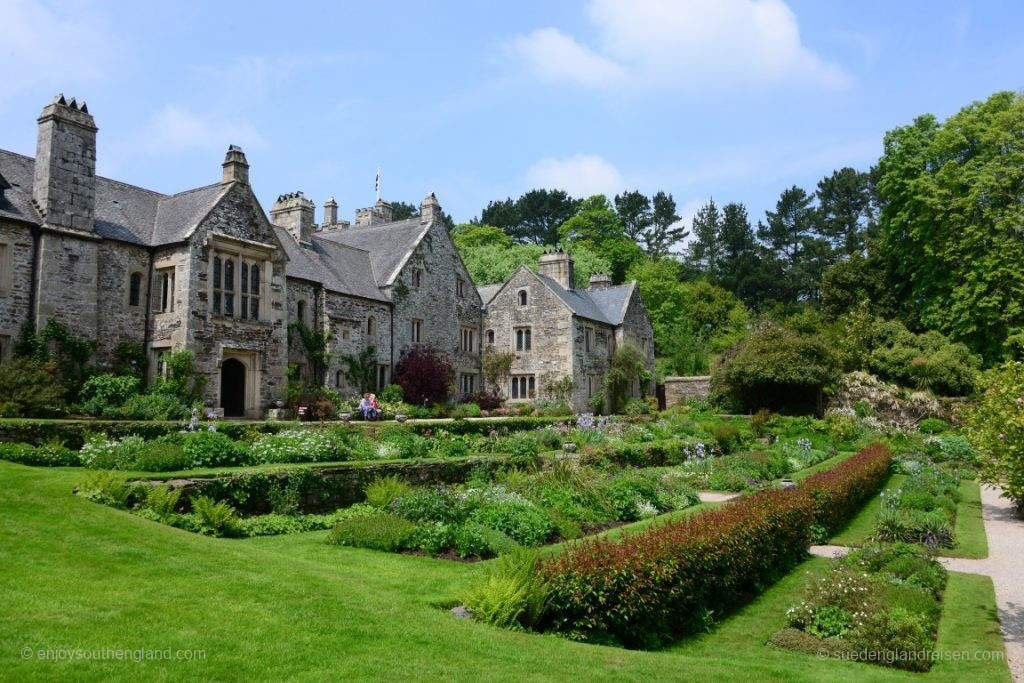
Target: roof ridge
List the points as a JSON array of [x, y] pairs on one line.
[[194, 189]]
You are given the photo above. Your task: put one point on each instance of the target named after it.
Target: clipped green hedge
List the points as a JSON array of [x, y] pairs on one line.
[[645, 589]]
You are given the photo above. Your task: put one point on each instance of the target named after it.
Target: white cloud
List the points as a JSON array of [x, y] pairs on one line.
[[581, 175], [654, 42], [173, 130], [61, 47], [557, 57]]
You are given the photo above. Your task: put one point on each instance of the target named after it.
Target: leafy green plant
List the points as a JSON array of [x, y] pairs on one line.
[[294, 445], [932, 425], [514, 594], [382, 531], [215, 519], [29, 388], [727, 436], [106, 488], [381, 491], [213, 449], [163, 500]]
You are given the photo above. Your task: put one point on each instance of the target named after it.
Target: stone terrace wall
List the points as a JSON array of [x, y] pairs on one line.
[[339, 487], [682, 389]]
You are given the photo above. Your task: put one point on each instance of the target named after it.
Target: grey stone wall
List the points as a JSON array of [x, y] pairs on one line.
[[550, 323], [212, 337], [347, 317], [682, 389], [15, 281], [590, 367], [435, 302], [118, 321], [636, 327], [68, 282]]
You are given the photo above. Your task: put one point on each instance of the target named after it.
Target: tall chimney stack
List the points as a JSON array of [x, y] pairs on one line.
[[64, 185]]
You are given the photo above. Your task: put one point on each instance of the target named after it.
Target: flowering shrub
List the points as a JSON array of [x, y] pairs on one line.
[[645, 589], [293, 445]]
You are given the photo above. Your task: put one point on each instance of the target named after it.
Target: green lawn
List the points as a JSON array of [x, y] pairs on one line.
[[74, 574], [970, 534], [969, 531], [863, 525]]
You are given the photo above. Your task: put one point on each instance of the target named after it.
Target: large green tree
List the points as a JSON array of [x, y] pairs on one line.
[[953, 219], [847, 213], [704, 249], [597, 226], [533, 218]]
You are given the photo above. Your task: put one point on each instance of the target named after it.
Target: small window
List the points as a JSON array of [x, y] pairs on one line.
[[523, 339], [371, 328], [165, 281], [588, 335], [134, 289], [523, 387], [460, 288], [522, 297], [382, 376], [468, 384], [467, 338], [417, 331], [417, 277], [300, 313], [490, 337], [339, 379]]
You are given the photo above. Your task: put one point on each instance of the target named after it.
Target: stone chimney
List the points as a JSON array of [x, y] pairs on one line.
[[236, 168], [557, 265], [381, 212], [294, 213], [599, 281], [64, 186], [330, 212], [430, 209]]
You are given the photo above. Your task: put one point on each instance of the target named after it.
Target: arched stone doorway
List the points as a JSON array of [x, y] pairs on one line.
[[232, 387]]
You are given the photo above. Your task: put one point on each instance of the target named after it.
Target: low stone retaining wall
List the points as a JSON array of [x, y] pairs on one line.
[[682, 389], [322, 489]]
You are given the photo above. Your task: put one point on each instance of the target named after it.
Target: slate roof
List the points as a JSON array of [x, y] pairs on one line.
[[338, 267], [487, 292], [389, 244], [605, 305], [614, 301], [123, 212]]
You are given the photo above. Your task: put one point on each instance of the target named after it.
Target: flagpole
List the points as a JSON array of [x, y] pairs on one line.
[[377, 183]]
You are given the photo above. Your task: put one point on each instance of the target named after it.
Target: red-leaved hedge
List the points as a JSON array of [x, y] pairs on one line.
[[643, 590]]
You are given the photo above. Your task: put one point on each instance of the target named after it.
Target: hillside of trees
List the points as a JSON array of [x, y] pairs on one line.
[[911, 269]]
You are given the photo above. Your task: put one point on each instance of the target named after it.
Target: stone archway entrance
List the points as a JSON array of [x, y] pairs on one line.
[[232, 387]]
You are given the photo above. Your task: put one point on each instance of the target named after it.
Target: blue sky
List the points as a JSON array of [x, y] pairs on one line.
[[479, 100]]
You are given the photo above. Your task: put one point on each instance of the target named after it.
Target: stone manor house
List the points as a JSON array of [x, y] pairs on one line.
[[209, 271]]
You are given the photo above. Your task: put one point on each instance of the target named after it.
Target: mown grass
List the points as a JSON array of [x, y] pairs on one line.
[[969, 531], [74, 574], [863, 525], [972, 542]]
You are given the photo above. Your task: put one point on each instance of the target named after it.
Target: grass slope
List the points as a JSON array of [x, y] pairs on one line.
[[74, 574]]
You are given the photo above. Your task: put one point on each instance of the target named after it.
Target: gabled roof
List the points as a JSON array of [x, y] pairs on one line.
[[604, 305], [487, 292], [389, 244], [123, 212], [614, 301], [338, 267]]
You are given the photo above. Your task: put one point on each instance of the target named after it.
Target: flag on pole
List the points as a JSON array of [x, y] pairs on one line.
[[376, 184]]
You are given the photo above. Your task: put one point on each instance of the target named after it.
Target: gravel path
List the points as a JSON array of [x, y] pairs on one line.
[[1005, 531], [716, 496]]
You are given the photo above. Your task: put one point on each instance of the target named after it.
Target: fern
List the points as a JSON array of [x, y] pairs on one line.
[[216, 519], [514, 596], [381, 491], [163, 500], [107, 488]]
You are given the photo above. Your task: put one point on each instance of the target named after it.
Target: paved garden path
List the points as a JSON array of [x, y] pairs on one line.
[[1004, 564], [716, 496]]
